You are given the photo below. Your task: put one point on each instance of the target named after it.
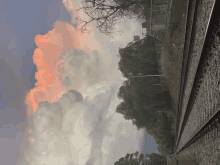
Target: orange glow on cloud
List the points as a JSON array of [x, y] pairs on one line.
[[31, 140], [47, 59]]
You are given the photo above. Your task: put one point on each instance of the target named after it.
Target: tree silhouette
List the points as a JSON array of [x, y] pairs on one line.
[[138, 58], [147, 107], [136, 159], [108, 13]]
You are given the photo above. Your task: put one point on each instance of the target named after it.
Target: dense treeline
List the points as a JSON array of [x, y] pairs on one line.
[[133, 61], [146, 105], [136, 159]]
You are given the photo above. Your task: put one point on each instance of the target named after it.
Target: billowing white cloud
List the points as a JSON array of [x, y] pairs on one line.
[[86, 131], [82, 128], [82, 131], [81, 69]]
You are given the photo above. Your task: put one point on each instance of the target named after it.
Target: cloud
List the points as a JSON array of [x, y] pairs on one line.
[[63, 128], [82, 129], [80, 69], [48, 61], [69, 127]]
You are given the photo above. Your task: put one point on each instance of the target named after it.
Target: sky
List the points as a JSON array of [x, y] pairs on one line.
[[43, 58]]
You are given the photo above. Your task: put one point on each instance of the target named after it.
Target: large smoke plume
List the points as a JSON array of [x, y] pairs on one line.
[[81, 69], [72, 107], [72, 130]]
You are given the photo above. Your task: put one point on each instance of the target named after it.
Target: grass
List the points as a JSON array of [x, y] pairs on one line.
[[174, 41], [173, 44]]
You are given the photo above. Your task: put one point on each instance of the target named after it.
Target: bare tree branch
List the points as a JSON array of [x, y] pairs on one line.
[[108, 13]]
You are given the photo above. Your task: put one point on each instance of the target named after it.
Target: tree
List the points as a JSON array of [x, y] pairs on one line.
[[138, 58], [136, 38], [126, 112], [125, 107], [127, 157], [108, 13], [157, 159], [131, 159], [153, 158], [141, 157], [139, 12], [121, 159], [148, 110], [136, 154], [141, 102]]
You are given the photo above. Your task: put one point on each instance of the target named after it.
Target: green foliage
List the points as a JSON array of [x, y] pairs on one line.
[[136, 159], [131, 159], [163, 135], [146, 107], [138, 58], [157, 159], [143, 106], [161, 36]]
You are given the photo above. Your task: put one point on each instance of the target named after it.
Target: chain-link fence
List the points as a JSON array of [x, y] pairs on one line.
[[163, 79], [159, 16]]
